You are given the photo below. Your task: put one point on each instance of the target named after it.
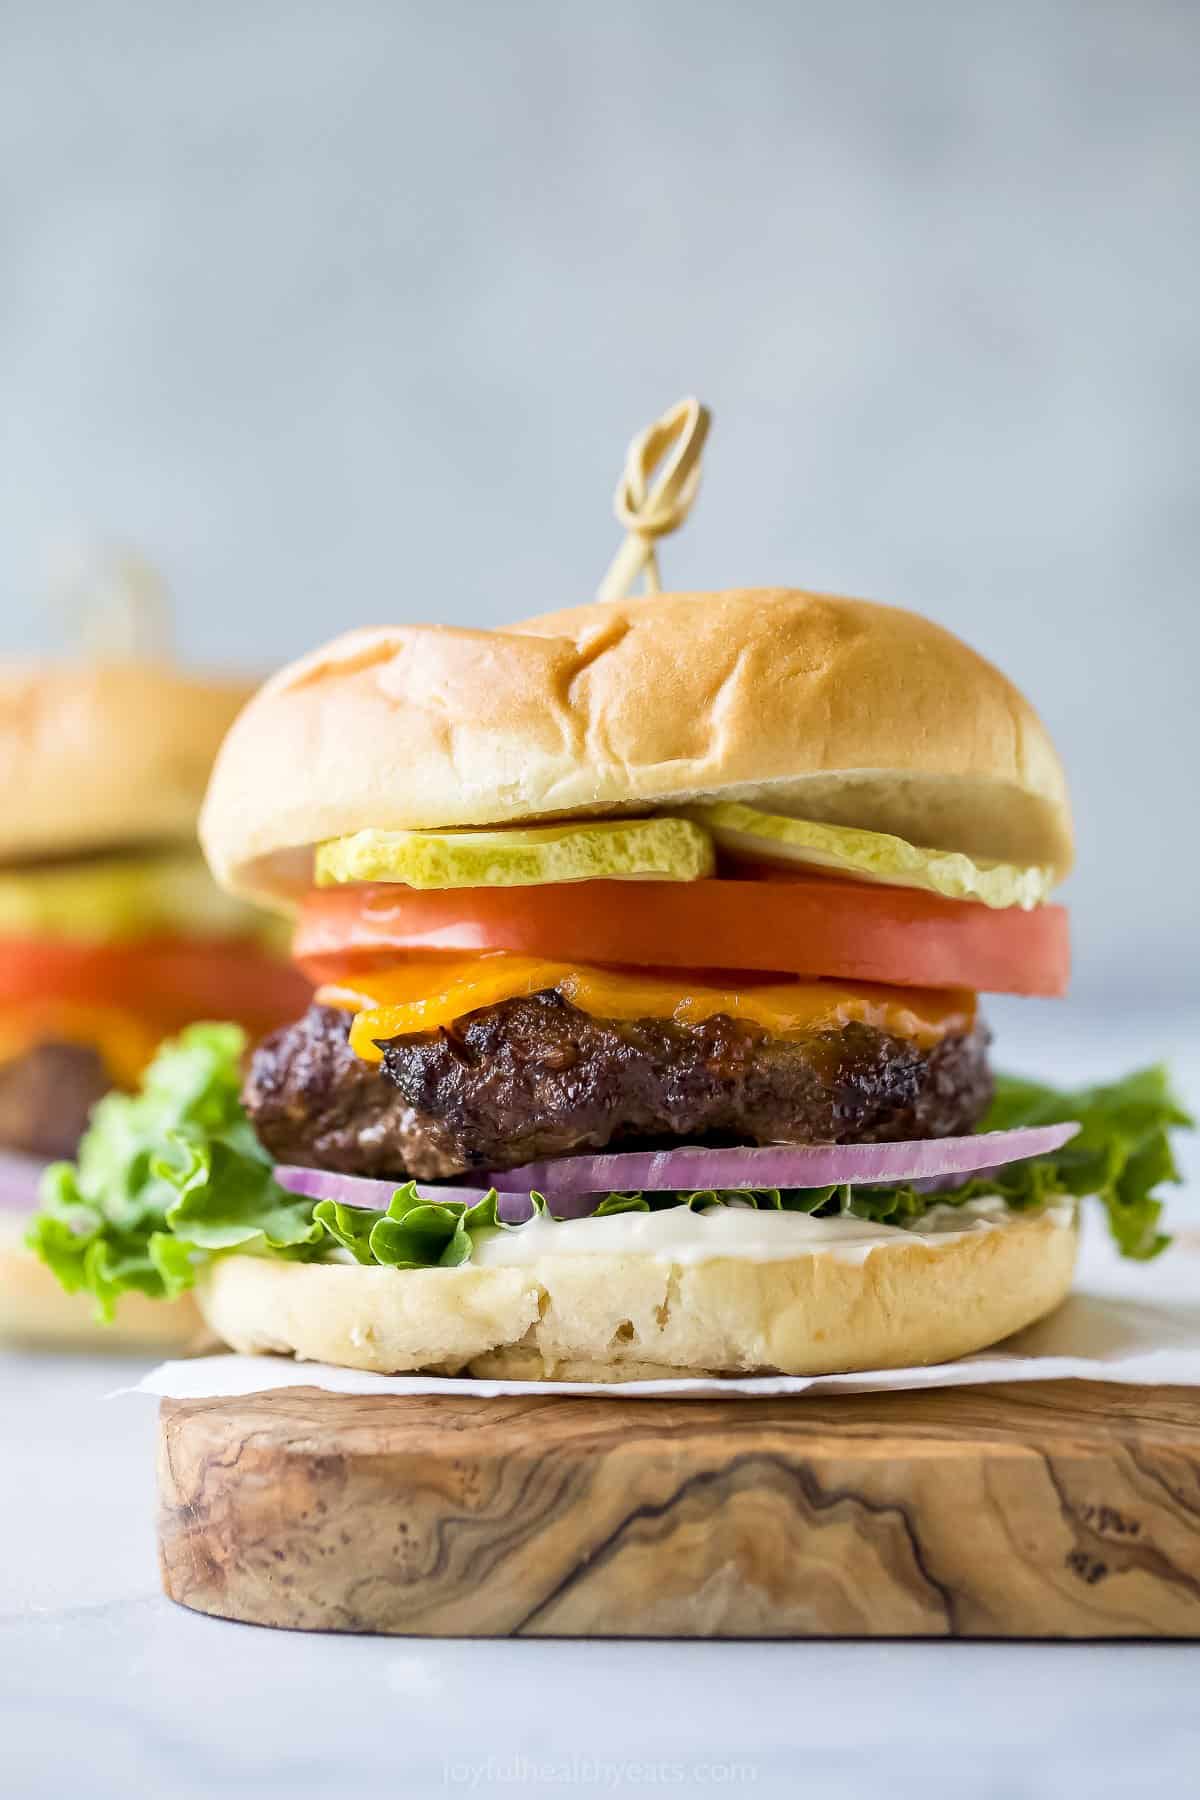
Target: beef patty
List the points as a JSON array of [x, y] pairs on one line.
[[536, 1077], [46, 1094]]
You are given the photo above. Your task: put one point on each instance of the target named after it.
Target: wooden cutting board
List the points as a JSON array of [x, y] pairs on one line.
[[1050, 1510]]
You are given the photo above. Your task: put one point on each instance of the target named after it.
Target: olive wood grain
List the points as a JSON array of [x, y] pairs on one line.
[[1061, 1509]]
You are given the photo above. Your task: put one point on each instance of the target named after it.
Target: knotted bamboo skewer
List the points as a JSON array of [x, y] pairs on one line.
[[647, 510]]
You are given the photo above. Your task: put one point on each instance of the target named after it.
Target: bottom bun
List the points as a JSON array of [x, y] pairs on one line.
[[638, 1317], [35, 1310]]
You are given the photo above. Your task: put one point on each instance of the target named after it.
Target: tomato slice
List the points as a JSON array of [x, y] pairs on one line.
[[166, 980], [846, 930]]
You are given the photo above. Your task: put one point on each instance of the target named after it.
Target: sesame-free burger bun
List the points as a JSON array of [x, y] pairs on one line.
[[807, 704], [105, 755], [636, 1316]]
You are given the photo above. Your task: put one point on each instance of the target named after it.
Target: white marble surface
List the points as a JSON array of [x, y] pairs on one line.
[[107, 1688]]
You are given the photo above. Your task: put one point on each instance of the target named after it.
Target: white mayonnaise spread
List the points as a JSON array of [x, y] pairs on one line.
[[680, 1235]]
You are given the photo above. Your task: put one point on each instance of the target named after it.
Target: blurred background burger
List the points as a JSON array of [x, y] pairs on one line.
[[112, 934]]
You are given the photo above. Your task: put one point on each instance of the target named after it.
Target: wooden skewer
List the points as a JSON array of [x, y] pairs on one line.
[[649, 510]]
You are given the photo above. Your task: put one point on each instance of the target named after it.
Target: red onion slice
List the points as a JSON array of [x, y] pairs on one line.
[[374, 1196], [575, 1184], [781, 1165], [362, 1190], [20, 1177], [515, 1209]]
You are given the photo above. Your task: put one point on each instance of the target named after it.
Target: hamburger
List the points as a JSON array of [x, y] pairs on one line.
[[648, 940], [113, 935]]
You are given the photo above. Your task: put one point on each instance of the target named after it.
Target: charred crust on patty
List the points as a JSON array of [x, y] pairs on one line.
[[535, 1077]]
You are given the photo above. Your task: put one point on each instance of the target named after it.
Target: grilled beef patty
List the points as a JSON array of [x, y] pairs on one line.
[[536, 1077], [46, 1094]]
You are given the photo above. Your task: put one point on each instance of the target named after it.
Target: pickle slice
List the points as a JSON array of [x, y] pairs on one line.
[[743, 832], [631, 850], [108, 899]]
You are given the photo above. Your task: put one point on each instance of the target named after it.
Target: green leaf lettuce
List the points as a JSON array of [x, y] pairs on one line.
[[166, 1177]]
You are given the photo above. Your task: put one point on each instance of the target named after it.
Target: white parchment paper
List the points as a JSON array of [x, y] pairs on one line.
[[1127, 1322]]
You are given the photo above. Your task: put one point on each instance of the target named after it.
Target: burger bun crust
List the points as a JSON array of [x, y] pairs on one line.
[[106, 755], [806, 704]]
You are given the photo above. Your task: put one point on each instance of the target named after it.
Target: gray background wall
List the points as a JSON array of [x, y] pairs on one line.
[[345, 312]]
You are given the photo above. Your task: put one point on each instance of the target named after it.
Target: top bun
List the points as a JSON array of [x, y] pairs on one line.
[[99, 755], [824, 708]]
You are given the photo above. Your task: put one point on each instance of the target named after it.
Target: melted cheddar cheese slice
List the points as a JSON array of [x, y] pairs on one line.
[[426, 993]]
